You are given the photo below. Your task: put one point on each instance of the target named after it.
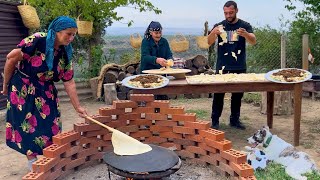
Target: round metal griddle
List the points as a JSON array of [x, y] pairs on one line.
[[158, 162]]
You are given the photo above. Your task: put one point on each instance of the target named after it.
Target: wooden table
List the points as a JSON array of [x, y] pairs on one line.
[[182, 87]]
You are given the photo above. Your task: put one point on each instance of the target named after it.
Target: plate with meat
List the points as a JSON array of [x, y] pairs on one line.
[[145, 81], [288, 75]]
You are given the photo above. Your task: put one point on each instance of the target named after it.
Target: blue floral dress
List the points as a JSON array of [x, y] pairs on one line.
[[33, 114]]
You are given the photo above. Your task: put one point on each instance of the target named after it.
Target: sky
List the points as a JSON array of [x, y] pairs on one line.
[[193, 13]]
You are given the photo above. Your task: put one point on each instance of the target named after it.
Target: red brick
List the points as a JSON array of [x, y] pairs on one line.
[[125, 117], [156, 128], [243, 169], [159, 104], [141, 133], [44, 164], [116, 123], [97, 156], [196, 150], [226, 168], [63, 162], [84, 127], [212, 134], [183, 130], [142, 97], [107, 137], [131, 128], [207, 148], [102, 119], [184, 142], [96, 133], [75, 163], [171, 146], [185, 154], [215, 157], [197, 161], [172, 110], [221, 145], [234, 156], [35, 176], [66, 137], [196, 138], [73, 150], [143, 110], [184, 117], [248, 178], [87, 152], [122, 104], [209, 160], [170, 135], [108, 111], [145, 122], [201, 125], [166, 123], [54, 150], [156, 116], [101, 143], [155, 140], [56, 174], [87, 140]]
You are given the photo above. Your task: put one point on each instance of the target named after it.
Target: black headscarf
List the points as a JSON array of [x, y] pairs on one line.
[[153, 26]]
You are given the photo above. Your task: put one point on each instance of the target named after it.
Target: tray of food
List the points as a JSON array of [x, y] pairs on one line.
[[288, 75], [223, 78], [145, 81]]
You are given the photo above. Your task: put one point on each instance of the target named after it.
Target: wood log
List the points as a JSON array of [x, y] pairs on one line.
[[128, 74], [131, 69], [194, 71], [200, 61], [209, 71], [202, 69], [188, 63], [121, 75], [122, 88], [110, 93], [129, 93], [122, 95], [94, 86], [111, 76], [283, 103], [138, 69]]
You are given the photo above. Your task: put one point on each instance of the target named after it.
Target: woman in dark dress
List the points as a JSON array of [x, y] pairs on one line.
[[33, 114]]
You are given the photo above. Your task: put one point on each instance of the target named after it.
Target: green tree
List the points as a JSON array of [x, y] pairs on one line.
[[265, 55], [307, 21], [101, 12]]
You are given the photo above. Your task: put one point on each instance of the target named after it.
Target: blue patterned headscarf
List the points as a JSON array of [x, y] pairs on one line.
[[153, 26], [58, 24]]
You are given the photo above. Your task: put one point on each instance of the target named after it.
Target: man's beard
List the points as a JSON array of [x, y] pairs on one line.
[[232, 20]]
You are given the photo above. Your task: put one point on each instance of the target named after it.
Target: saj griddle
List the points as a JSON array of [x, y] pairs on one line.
[[155, 164]]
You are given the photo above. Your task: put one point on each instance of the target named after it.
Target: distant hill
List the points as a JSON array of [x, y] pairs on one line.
[[118, 31]]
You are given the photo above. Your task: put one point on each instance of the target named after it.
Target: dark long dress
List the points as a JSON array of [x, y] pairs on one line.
[[33, 114]]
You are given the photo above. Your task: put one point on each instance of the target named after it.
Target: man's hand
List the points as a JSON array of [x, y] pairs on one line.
[[242, 32], [162, 62], [82, 112], [4, 90], [216, 30]]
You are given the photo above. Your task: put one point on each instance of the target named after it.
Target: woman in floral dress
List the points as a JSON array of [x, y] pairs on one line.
[[33, 114]]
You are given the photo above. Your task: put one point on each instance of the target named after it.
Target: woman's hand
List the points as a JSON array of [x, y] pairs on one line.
[[161, 61], [82, 112], [4, 89]]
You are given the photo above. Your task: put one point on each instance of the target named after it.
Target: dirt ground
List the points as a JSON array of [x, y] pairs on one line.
[[14, 165]]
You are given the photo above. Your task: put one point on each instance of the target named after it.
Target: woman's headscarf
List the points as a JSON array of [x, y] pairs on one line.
[[58, 24], [153, 26]]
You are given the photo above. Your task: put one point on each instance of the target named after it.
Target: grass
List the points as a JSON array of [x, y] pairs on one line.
[[201, 114], [252, 98], [276, 171]]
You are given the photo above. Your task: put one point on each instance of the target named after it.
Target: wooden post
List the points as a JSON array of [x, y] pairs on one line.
[[305, 46], [283, 52]]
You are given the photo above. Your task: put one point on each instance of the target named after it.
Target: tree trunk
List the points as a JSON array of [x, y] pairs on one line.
[[121, 75], [283, 103]]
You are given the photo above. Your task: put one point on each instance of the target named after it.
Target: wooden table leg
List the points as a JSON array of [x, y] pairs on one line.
[[297, 112], [270, 102]]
